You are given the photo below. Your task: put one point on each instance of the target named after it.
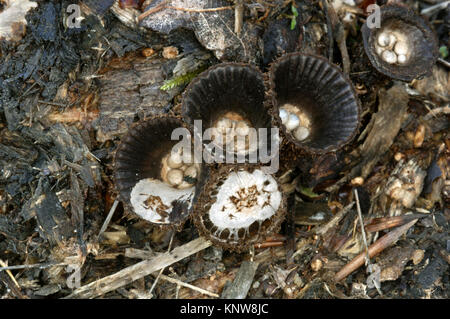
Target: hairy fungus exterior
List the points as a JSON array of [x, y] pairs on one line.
[[404, 47], [239, 206], [152, 178]]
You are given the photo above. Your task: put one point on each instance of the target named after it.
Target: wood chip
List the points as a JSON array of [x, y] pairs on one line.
[[242, 282]]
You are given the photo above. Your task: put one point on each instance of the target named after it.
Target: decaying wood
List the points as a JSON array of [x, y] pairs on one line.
[[139, 270], [139, 253], [241, 284], [385, 126], [129, 90], [374, 249]]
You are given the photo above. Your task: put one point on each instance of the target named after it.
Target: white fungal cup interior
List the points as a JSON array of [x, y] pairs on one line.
[[295, 121], [244, 201], [154, 200]]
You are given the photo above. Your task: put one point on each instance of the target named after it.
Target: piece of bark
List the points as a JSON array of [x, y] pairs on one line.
[[130, 90], [385, 125], [242, 283], [77, 209], [393, 262], [68, 142], [139, 270], [53, 222]]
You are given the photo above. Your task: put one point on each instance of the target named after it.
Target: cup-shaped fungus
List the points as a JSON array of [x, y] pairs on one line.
[[239, 206], [228, 99], [404, 47], [153, 175], [313, 103]]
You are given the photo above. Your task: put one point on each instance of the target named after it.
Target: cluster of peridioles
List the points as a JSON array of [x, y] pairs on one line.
[[178, 170], [295, 121], [236, 205], [392, 47], [233, 129]]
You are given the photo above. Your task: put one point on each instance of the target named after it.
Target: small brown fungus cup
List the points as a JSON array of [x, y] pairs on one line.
[[313, 103], [404, 47], [239, 206], [228, 99], [153, 177]]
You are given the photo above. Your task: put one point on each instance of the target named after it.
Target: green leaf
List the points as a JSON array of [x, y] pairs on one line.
[[443, 50], [180, 80], [293, 23], [308, 192], [294, 17], [294, 11]]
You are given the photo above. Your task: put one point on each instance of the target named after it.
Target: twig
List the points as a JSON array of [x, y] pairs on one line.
[[269, 244], [12, 283], [2, 263], [363, 232], [52, 103], [361, 222], [374, 249], [238, 16], [341, 38], [108, 218], [436, 111], [432, 9], [163, 5], [139, 270], [444, 62], [162, 269], [378, 224], [330, 31], [333, 221], [181, 283], [39, 266]]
